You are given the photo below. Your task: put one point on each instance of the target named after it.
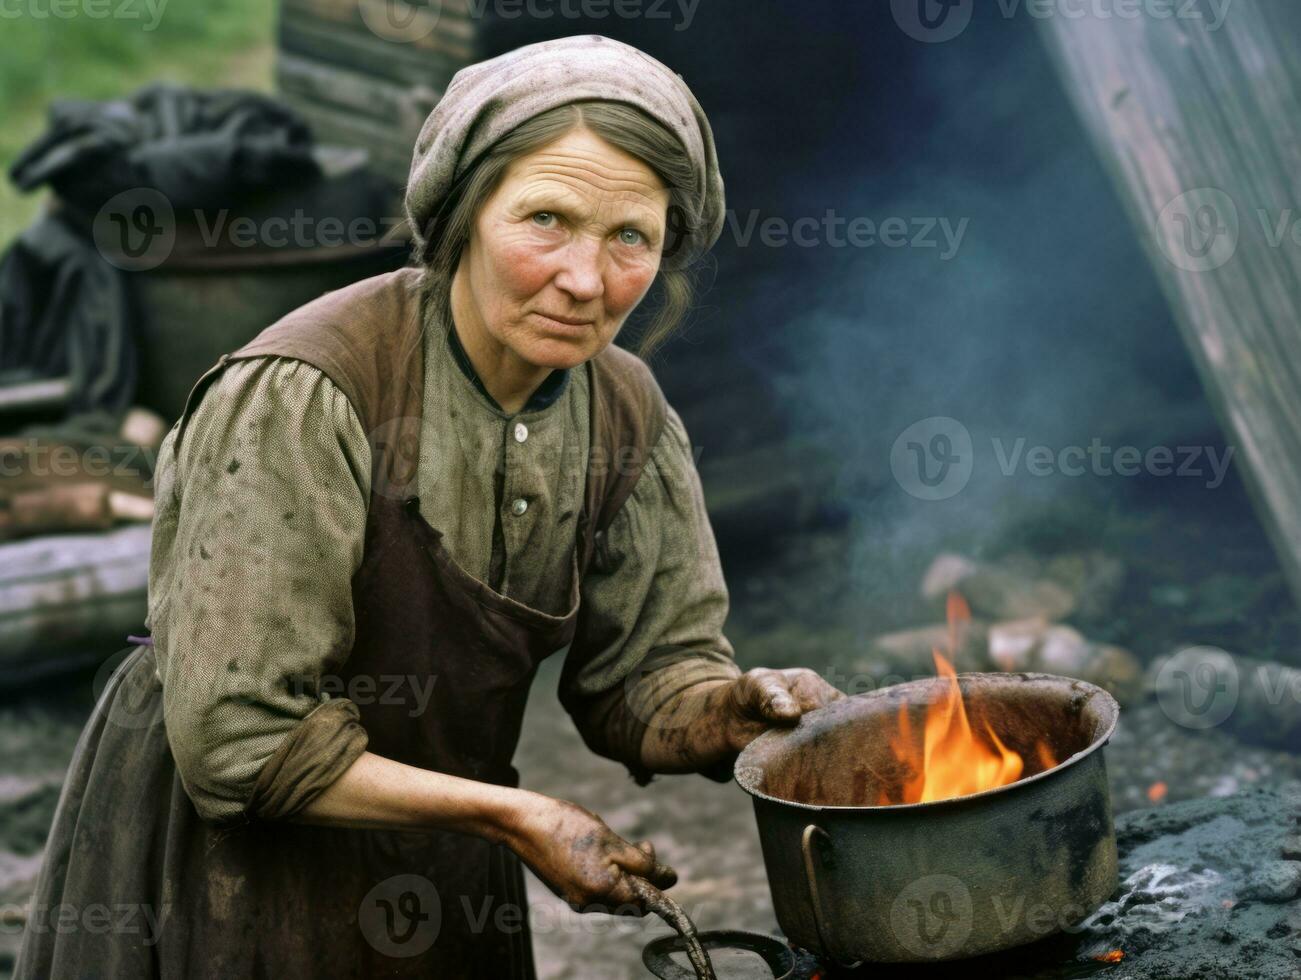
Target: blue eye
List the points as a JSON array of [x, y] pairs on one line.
[[544, 219], [636, 239]]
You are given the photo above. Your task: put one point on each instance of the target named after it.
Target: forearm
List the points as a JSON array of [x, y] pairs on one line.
[[688, 733], [704, 726], [379, 793]]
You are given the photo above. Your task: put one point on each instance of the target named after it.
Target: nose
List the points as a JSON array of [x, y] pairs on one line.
[[581, 271]]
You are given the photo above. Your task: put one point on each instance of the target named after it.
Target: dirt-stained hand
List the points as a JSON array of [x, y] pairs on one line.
[[762, 697], [583, 861]]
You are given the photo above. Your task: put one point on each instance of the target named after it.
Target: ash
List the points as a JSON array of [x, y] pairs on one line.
[[1153, 900], [1209, 889]]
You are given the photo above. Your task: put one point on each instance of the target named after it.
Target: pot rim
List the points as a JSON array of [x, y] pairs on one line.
[[779, 734]]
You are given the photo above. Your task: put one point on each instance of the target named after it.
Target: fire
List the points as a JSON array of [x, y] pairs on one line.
[[955, 760], [1111, 956]]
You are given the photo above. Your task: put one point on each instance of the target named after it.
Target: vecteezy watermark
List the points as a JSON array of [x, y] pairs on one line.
[[148, 11], [408, 21], [399, 20], [507, 917], [932, 21], [681, 12], [1212, 12], [409, 446], [38, 458], [833, 230], [1199, 230], [136, 702], [296, 230], [410, 691], [936, 21], [934, 458], [1098, 459], [137, 919], [1019, 916], [932, 916], [1203, 229], [136, 230], [1199, 687], [401, 916]]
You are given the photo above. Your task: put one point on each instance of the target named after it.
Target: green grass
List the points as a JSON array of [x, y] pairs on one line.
[[210, 43]]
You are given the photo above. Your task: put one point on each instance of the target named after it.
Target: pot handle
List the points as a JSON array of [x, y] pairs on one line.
[[815, 837]]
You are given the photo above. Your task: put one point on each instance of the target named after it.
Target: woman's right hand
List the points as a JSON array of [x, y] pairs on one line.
[[581, 859]]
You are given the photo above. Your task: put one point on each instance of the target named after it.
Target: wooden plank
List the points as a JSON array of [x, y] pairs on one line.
[[458, 9], [65, 590], [403, 106], [1200, 128], [390, 151], [451, 36], [323, 42]]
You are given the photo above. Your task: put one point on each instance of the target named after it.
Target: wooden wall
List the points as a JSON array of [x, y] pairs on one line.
[[1200, 126]]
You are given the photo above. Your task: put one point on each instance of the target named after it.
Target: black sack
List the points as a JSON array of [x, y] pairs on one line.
[[200, 149]]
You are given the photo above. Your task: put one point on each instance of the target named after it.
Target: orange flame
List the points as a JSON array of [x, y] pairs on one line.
[[1112, 956], [954, 760]]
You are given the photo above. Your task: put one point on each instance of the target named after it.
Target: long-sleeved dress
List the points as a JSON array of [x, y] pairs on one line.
[[265, 513]]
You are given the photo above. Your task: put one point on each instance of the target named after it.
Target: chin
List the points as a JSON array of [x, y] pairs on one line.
[[561, 352]]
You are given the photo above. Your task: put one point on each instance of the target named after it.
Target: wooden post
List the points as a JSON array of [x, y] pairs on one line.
[[1200, 127], [367, 72]]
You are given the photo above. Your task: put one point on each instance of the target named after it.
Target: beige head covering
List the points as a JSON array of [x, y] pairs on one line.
[[487, 100]]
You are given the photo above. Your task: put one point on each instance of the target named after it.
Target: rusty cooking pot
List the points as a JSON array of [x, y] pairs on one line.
[[855, 882]]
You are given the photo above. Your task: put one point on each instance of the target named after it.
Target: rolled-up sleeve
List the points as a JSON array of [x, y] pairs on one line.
[[652, 610], [256, 543]]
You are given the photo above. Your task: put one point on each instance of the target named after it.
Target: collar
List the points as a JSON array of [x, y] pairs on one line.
[[551, 388]]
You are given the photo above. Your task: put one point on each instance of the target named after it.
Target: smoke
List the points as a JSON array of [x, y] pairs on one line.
[[1045, 328]]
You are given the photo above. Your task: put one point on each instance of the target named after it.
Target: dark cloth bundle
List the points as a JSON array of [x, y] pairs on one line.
[[65, 311], [199, 149]]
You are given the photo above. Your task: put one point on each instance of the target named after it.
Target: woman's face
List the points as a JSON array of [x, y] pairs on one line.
[[564, 250]]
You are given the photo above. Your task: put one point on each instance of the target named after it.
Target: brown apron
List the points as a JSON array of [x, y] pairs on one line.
[[285, 900]]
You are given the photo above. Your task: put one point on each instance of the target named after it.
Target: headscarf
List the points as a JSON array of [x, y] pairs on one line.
[[485, 101]]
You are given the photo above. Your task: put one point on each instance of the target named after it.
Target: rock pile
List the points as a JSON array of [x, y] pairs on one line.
[[1017, 608]]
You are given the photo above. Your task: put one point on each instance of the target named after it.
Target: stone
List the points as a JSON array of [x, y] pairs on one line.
[[1036, 645], [1118, 672], [1013, 646], [945, 574], [1257, 700], [1186, 869], [1276, 881], [911, 650], [1064, 650], [995, 592], [1094, 578], [143, 427]]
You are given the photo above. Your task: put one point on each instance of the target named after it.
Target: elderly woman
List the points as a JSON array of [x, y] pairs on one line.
[[375, 521]]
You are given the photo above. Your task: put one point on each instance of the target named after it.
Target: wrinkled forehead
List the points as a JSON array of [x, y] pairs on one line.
[[585, 170]]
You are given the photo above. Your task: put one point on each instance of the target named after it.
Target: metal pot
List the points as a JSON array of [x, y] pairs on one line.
[[855, 882], [207, 291]]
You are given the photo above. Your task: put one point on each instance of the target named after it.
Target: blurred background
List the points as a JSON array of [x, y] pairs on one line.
[[943, 344]]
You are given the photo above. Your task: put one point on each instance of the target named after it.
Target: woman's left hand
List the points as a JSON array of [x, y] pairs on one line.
[[762, 697], [708, 724]]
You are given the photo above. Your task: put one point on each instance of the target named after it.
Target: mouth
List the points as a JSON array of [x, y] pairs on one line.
[[563, 323]]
